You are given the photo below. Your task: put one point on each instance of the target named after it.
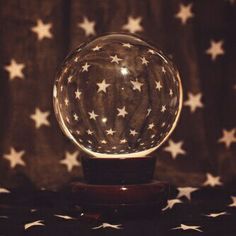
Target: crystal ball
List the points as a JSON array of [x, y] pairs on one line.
[[117, 97]]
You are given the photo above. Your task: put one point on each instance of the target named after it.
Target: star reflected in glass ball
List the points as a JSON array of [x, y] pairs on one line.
[[117, 97]]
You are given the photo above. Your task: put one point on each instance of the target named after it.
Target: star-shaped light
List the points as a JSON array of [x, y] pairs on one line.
[[110, 131], [115, 59], [42, 30], [85, 67], [171, 203], [189, 227], [75, 116], [133, 132], [151, 126], [214, 215], [228, 137], [158, 85], [40, 118], [87, 26], [102, 86], [70, 160], [185, 12], [175, 149], [127, 45], [66, 102], [92, 115], [89, 132], [78, 94], [123, 141], [233, 204], [107, 225], [15, 70], [34, 223], [186, 192], [15, 158], [104, 141], [136, 85], [69, 79], [122, 112], [163, 108], [212, 180], [97, 48], [216, 49], [133, 25], [144, 61], [194, 101]]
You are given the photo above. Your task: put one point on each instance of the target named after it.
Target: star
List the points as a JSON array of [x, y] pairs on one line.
[[102, 86], [65, 217], [171, 203], [70, 160], [42, 30], [216, 49], [104, 141], [184, 13], [110, 131], [4, 190], [115, 59], [144, 61], [92, 115], [214, 215], [133, 132], [123, 141], [186, 192], [158, 85], [97, 48], [87, 26], [35, 223], [228, 137], [163, 108], [85, 67], [15, 70], [133, 25], [136, 85], [89, 132], [212, 180], [151, 126], [107, 225], [171, 92], [122, 112], [40, 118], [194, 101], [175, 148], [188, 227], [77, 94], [75, 116], [69, 79], [66, 102], [233, 204], [128, 45], [15, 158]]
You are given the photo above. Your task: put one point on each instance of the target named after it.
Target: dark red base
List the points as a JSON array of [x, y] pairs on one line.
[[136, 200]]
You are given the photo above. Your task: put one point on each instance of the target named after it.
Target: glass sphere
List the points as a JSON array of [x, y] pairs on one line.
[[117, 97]]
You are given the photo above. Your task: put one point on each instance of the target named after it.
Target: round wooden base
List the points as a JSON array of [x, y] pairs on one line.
[[134, 200]]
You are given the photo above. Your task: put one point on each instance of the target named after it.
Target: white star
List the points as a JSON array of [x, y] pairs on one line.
[[163, 108], [69, 79], [42, 30], [85, 67], [110, 131], [171, 92], [186, 192], [87, 26], [158, 85], [184, 13], [214, 215], [175, 148], [136, 85], [133, 132], [40, 118], [144, 61], [97, 48], [128, 45], [92, 115], [133, 25], [104, 141], [188, 227], [212, 180], [15, 70], [123, 141], [75, 116], [115, 59], [151, 126], [66, 102], [15, 158], [102, 86], [228, 137], [89, 132], [107, 225], [4, 190], [233, 204], [77, 94], [171, 203], [122, 112], [194, 101], [216, 49], [70, 160], [65, 217], [35, 223]]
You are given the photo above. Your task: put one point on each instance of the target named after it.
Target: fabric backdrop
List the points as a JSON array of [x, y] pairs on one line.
[[199, 35]]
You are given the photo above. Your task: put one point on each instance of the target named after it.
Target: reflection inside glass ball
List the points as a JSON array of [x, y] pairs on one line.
[[117, 97]]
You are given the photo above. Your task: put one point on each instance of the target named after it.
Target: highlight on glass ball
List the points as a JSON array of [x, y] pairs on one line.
[[117, 97]]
